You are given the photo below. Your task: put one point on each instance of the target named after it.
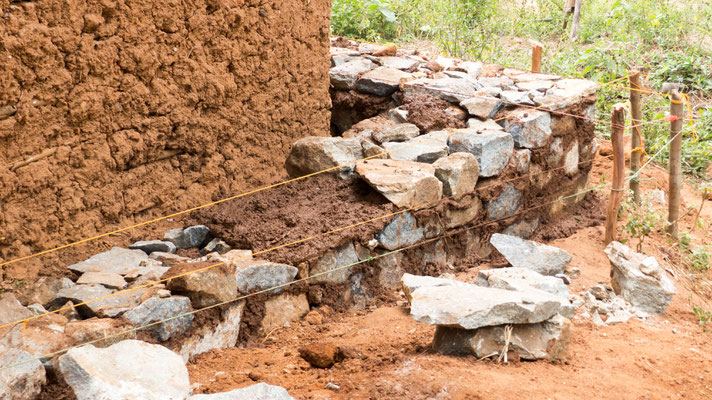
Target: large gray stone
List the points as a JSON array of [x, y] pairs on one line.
[[190, 237], [542, 258], [411, 283], [117, 260], [506, 204], [398, 133], [106, 307], [23, 379], [102, 332], [516, 97], [43, 291], [458, 172], [221, 335], [493, 149], [425, 148], [260, 391], [566, 92], [402, 231], [254, 275], [529, 128], [483, 107], [149, 246], [340, 260], [207, 286], [546, 340], [157, 309], [344, 76], [405, 64], [108, 279], [403, 183], [313, 154], [130, 369], [464, 213], [521, 279], [382, 81], [639, 279], [472, 307], [453, 90]]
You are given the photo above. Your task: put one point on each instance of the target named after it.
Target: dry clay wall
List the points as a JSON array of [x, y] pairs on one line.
[[130, 108]]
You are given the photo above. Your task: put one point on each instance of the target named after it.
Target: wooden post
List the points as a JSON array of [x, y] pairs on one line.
[[536, 58], [675, 162], [569, 7], [577, 17], [636, 133], [614, 203]]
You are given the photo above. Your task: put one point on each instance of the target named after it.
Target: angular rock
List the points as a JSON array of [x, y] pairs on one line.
[[506, 204], [320, 355], [283, 309], [523, 159], [313, 154], [157, 309], [403, 183], [531, 77], [546, 340], [373, 151], [111, 281], [399, 133], [39, 337], [516, 97], [23, 381], [426, 148], [463, 214], [260, 391], [11, 310], [220, 335], [389, 270], [216, 245], [529, 128], [190, 237], [522, 229], [402, 231], [472, 307], [130, 369], [43, 291], [99, 331], [542, 258], [501, 82], [404, 64], [411, 283], [479, 126], [521, 279], [482, 107], [382, 81], [571, 160], [398, 115], [471, 67], [458, 172], [167, 259], [556, 153], [565, 93], [149, 246], [453, 90], [639, 279], [345, 75], [255, 275], [117, 260], [211, 284], [539, 85], [340, 260], [493, 149], [84, 293]]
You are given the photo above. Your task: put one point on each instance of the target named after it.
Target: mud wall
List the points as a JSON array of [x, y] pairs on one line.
[[129, 108]]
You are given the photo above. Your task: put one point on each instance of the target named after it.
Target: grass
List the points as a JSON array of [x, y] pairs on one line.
[[669, 41]]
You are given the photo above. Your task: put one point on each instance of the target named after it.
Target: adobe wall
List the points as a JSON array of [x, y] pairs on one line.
[[127, 109]]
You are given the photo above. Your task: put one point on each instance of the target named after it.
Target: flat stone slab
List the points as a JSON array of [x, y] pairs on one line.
[[398, 133], [344, 76], [402, 63], [330, 266], [453, 90], [529, 128], [190, 237], [130, 369], [402, 231], [254, 275], [411, 283], [521, 279], [313, 154], [473, 307], [221, 335], [426, 148], [566, 92], [382, 81], [493, 149], [149, 246], [458, 172], [260, 391], [483, 107], [117, 260], [108, 279], [403, 183], [542, 258]]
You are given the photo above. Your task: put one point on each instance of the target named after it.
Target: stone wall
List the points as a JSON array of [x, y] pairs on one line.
[[113, 111]]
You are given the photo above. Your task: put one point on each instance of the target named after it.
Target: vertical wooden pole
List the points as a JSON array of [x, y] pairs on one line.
[[675, 162], [577, 17], [617, 129], [536, 59], [636, 133]]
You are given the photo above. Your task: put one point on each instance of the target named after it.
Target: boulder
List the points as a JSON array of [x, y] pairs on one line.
[[190, 237], [402, 231], [283, 309], [529, 128], [218, 335], [314, 154], [542, 258], [639, 279], [340, 260], [23, 379], [107, 279], [117, 260], [382, 81], [453, 90], [130, 369], [426, 148], [344, 76], [260, 391], [472, 307], [149, 246], [458, 172], [255, 275], [483, 107], [506, 204], [546, 340], [398, 133], [158, 309], [211, 283], [403, 183], [493, 149]]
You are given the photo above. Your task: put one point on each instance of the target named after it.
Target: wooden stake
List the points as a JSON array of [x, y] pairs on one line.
[[577, 17], [536, 59], [617, 129], [675, 163], [636, 131], [569, 7]]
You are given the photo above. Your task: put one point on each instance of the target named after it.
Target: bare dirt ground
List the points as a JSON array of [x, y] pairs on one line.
[[389, 356]]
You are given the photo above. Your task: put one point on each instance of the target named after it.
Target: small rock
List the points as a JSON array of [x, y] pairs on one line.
[[458, 172], [216, 245], [314, 318], [260, 391], [344, 76], [11, 310], [403, 183], [43, 291], [382, 81], [544, 259], [482, 107], [493, 149], [149, 246], [167, 259], [573, 272], [399, 133], [255, 275], [283, 309], [506, 204], [600, 292], [385, 51], [313, 154], [108, 279], [23, 381], [190, 237], [320, 355], [332, 386], [335, 265], [203, 283], [523, 160], [217, 335], [564, 278]]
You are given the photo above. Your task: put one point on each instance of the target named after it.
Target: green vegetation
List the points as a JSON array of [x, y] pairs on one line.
[[703, 317], [642, 219], [668, 40]]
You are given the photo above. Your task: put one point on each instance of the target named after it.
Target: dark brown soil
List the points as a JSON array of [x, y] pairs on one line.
[[430, 113], [351, 107]]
